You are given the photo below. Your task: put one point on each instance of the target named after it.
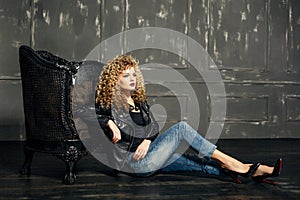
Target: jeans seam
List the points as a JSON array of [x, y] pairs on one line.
[[182, 163]]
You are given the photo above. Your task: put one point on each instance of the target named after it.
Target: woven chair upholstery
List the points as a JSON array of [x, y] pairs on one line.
[[46, 86]]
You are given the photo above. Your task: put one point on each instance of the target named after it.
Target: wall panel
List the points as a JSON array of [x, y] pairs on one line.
[[69, 28]]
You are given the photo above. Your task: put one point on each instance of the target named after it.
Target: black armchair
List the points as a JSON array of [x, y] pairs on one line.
[[50, 128]]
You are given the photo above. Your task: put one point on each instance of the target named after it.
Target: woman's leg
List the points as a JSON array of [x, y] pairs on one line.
[[161, 149], [165, 145], [228, 162], [192, 163]]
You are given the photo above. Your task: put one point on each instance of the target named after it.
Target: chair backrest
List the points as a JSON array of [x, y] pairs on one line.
[[46, 85], [83, 99]]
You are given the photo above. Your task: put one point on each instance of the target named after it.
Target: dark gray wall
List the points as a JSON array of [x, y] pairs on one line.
[[255, 44]]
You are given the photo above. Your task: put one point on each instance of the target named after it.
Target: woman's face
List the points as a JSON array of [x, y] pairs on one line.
[[127, 79]]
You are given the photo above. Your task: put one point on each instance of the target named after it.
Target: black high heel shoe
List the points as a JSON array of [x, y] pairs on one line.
[[275, 173], [235, 175]]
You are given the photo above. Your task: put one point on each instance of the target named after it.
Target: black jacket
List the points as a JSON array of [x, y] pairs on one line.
[[122, 119]]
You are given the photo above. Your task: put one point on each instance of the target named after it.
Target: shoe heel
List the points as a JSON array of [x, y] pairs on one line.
[[235, 178], [276, 172], [269, 182]]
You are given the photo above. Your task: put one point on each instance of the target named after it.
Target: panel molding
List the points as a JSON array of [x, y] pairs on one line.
[[293, 112], [257, 116]]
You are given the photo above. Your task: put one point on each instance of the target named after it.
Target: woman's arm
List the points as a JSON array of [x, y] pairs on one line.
[[107, 124], [153, 126], [103, 116], [116, 136]]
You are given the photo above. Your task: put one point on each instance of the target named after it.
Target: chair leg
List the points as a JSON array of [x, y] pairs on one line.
[[70, 176], [26, 168], [70, 157]]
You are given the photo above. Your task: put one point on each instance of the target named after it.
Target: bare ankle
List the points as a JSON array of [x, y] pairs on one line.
[[240, 168]]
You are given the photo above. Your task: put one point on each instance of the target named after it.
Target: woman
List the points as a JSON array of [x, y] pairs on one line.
[[126, 120]]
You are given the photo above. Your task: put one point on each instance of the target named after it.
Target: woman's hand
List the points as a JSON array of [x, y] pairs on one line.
[[115, 130], [142, 150]]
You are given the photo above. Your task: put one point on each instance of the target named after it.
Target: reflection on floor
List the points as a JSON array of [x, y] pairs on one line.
[[93, 182]]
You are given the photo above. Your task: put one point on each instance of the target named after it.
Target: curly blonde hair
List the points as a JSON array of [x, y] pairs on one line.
[[107, 89]]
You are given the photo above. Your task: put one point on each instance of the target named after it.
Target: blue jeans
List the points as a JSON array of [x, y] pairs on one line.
[[161, 155]]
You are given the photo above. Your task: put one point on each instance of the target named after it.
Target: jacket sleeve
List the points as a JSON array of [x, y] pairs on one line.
[[154, 128], [103, 116], [153, 137]]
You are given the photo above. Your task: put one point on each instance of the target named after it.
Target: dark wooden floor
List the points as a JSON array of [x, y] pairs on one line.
[[94, 183]]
